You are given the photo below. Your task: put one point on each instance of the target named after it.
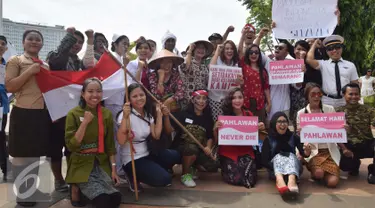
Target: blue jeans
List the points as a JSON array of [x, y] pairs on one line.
[[152, 170]]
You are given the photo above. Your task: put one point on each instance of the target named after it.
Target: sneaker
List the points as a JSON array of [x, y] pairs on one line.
[[131, 184], [188, 181], [61, 186], [194, 173]]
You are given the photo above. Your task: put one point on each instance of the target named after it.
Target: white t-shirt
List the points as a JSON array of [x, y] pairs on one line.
[[141, 130], [367, 88]]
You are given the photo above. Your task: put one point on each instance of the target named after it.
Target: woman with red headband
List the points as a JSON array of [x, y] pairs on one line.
[[237, 162], [89, 138], [197, 119]]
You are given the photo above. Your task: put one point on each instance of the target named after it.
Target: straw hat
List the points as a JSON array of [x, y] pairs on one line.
[[209, 47], [165, 54]]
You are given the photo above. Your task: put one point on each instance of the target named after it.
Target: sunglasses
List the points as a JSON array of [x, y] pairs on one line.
[[251, 52], [334, 47], [316, 94], [279, 47], [282, 122]]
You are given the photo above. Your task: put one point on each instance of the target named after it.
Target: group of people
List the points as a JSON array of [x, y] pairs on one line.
[[100, 136]]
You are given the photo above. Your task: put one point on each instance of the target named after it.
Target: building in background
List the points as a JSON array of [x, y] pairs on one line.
[[52, 35]]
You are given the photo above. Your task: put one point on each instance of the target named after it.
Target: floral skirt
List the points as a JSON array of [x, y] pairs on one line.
[[99, 183], [242, 172], [324, 161], [286, 164]]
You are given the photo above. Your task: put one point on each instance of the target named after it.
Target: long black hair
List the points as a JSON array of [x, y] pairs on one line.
[[82, 101], [259, 63], [308, 88], [149, 108]]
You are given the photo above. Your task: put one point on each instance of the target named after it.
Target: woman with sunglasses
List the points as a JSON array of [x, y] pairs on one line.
[[254, 83], [279, 155], [325, 158]]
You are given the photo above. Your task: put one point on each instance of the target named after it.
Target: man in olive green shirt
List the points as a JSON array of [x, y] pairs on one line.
[[360, 119]]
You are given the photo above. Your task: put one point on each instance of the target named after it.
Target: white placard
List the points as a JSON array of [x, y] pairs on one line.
[[298, 19], [223, 78]]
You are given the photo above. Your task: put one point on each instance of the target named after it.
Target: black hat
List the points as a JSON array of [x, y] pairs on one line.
[[2, 37], [215, 36]]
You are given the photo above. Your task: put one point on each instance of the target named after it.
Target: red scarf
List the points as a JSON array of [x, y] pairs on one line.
[[101, 130]]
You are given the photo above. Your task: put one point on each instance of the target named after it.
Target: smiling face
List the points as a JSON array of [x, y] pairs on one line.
[[200, 51], [200, 102], [33, 43], [315, 95], [138, 98], [300, 52], [228, 51], [254, 54], [166, 64], [77, 47], [352, 95], [281, 125], [237, 100], [92, 94], [143, 51], [334, 51]]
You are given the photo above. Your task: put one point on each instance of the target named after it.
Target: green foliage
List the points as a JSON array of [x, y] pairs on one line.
[[357, 26]]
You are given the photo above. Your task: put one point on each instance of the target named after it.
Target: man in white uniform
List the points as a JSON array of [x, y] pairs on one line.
[[336, 72]]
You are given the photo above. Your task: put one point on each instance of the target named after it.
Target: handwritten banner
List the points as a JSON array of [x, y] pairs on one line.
[[323, 128], [239, 130], [286, 72], [298, 19], [222, 78]]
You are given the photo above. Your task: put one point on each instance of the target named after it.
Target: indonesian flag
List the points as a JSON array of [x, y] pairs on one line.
[[62, 89]]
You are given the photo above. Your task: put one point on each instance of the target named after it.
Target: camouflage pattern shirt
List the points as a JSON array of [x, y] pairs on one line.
[[359, 118]]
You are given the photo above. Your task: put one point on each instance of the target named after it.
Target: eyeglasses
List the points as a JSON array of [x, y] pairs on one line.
[[316, 94], [251, 52], [334, 47], [282, 122], [279, 48]]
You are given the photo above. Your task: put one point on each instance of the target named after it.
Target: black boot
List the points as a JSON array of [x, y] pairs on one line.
[[371, 174]]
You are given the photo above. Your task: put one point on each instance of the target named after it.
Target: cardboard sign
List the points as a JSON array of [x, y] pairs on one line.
[[323, 128], [300, 19], [239, 130], [286, 72], [222, 78]]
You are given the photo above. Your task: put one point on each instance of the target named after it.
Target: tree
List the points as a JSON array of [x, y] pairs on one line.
[[357, 26]]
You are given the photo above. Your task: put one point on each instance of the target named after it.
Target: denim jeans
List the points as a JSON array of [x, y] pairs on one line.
[[152, 169]]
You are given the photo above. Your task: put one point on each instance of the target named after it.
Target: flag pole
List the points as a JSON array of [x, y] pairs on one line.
[[156, 100], [128, 126]]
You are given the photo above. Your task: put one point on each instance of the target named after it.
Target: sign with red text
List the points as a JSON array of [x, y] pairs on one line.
[[300, 19], [286, 72], [238, 130], [323, 128], [222, 78]]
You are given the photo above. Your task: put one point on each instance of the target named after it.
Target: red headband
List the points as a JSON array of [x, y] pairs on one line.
[[251, 26], [200, 92]]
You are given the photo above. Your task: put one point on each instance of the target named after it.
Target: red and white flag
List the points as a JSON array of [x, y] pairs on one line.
[[62, 89]]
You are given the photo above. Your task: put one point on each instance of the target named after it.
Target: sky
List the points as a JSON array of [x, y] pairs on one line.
[[189, 20]]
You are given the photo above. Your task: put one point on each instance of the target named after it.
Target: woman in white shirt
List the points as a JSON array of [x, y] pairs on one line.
[[226, 54], [151, 169], [325, 157], [138, 67], [367, 88]]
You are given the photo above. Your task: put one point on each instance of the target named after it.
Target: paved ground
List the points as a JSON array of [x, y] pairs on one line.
[[212, 192]]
